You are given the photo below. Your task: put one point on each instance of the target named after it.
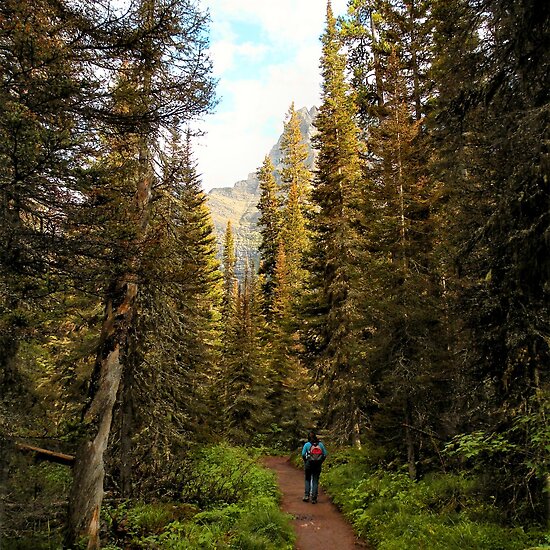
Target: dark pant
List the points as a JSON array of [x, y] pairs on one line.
[[312, 473]]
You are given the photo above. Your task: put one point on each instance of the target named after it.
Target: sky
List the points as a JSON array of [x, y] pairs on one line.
[[266, 56]]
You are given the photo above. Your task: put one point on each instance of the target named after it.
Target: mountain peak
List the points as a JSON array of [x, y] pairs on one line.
[[239, 202]]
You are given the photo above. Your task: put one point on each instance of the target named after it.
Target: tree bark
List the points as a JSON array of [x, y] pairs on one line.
[[45, 454], [127, 429], [89, 471], [409, 440], [5, 450], [414, 61], [377, 68]]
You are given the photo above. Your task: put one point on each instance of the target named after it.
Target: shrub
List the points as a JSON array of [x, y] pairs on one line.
[[440, 512], [238, 509]]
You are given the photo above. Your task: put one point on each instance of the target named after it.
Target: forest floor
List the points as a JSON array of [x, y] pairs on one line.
[[318, 525]]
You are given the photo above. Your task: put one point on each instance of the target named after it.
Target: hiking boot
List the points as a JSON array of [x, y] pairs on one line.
[[306, 498], [314, 500]]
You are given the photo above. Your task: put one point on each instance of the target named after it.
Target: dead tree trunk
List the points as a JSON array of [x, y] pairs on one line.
[[46, 454], [87, 490]]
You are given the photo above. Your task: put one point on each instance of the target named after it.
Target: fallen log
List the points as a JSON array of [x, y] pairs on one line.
[[45, 454]]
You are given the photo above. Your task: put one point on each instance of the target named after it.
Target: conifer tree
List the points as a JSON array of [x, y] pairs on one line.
[[246, 407], [42, 136], [269, 222], [168, 378], [408, 319], [296, 178], [229, 274], [160, 70], [407, 348], [335, 265], [289, 381], [491, 121]]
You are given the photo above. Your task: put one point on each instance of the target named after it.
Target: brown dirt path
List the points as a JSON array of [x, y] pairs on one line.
[[317, 525]]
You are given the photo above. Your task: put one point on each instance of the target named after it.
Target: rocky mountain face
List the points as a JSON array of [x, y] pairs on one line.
[[240, 202]]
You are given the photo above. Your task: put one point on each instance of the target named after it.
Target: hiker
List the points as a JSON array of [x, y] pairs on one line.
[[313, 455]]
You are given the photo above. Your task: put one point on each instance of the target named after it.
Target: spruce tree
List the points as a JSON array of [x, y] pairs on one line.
[[42, 138], [247, 410], [289, 381], [407, 349], [335, 264], [296, 178], [170, 371], [167, 88], [491, 119], [269, 223], [229, 274]]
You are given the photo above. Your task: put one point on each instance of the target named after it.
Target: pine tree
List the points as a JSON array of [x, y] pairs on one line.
[[406, 279], [407, 347], [247, 410], [169, 374], [42, 135], [289, 382], [165, 92], [229, 275]]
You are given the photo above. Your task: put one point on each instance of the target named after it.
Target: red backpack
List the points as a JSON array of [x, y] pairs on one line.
[[315, 453]]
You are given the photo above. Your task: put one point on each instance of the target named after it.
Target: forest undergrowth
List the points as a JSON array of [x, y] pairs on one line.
[[221, 498], [441, 511]]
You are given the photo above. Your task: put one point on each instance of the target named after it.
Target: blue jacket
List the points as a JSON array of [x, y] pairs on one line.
[[307, 446]]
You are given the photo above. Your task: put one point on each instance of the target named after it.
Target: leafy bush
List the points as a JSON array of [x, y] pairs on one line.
[[36, 495], [440, 512], [231, 503], [512, 458]]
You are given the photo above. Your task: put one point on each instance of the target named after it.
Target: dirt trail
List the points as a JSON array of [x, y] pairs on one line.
[[317, 525]]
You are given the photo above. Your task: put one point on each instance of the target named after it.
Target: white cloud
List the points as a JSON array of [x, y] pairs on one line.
[[224, 53], [250, 116]]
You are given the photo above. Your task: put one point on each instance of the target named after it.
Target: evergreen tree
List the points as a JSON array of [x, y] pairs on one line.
[[229, 275], [290, 383], [336, 273], [269, 222], [163, 53], [390, 40], [42, 142], [491, 120], [170, 369], [409, 335], [296, 179], [246, 407]]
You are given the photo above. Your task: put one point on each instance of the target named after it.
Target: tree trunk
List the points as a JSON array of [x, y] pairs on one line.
[[127, 429], [414, 61], [6, 447], [89, 471], [409, 440], [356, 429]]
